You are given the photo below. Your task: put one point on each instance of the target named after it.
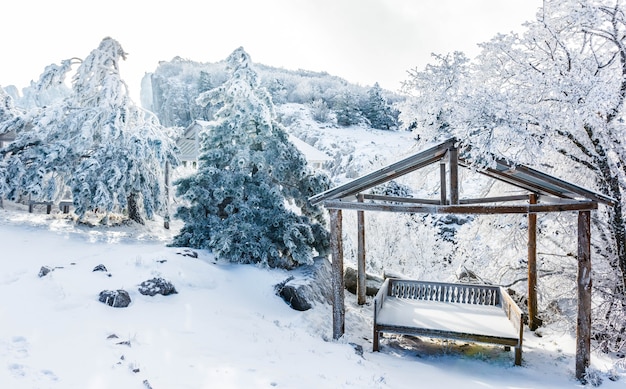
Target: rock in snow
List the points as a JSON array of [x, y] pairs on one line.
[[157, 286], [100, 267], [115, 298], [307, 285], [44, 271]]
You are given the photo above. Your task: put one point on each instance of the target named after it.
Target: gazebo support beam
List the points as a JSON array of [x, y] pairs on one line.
[[583, 322], [336, 248], [453, 154], [532, 266], [442, 174], [571, 205], [360, 279]]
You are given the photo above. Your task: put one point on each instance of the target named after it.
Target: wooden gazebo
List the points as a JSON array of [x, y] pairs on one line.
[[542, 193]]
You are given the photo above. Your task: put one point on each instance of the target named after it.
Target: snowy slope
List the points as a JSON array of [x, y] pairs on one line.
[[224, 329]]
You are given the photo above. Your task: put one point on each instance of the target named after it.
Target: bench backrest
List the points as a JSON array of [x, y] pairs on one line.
[[444, 292]]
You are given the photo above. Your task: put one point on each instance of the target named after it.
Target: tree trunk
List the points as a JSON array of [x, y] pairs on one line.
[[134, 212], [609, 184]]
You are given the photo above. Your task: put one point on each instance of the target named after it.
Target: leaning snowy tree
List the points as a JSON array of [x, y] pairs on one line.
[[12, 121], [248, 200], [554, 96], [109, 153]]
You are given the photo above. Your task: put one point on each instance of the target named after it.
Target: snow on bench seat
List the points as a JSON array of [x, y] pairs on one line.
[[477, 313], [486, 320]]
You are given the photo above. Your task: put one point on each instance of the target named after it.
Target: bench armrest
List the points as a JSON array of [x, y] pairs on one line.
[[380, 298], [512, 311]]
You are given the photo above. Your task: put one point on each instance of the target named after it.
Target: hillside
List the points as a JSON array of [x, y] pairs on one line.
[[225, 327]]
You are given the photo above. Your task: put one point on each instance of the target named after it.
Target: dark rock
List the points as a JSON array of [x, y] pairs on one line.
[[358, 349], [115, 298], [307, 285], [293, 295], [100, 267], [188, 253], [44, 271], [372, 282], [157, 286]]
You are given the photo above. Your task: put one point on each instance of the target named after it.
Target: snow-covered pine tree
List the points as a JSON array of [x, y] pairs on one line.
[[110, 153], [378, 111], [250, 182], [346, 108]]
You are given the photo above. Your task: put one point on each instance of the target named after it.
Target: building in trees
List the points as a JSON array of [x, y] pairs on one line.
[[248, 200]]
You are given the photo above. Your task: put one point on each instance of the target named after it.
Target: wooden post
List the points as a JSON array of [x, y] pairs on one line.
[[166, 218], [454, 175], [532, 266], [361, 277], [583, 323], [442, 174], [336, 247]]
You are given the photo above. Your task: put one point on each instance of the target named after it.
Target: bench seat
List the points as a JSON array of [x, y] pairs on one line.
[[477, 313]]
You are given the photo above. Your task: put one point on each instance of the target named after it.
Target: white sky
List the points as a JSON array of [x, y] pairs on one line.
[[363, 41]]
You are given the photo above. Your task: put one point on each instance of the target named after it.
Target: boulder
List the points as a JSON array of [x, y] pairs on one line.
[[294, 295], [307, 285], [372, 282], [157, 286], [44, 271], [188, 253], [115, 298], [100, 267]]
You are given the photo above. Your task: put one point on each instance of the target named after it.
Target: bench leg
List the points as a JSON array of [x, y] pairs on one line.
[[507, 348], [30, 207], [518, 356], [48, 208]]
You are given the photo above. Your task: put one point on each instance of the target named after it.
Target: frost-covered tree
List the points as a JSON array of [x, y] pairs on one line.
[[437, 93], [11, 118], [346, 108], [95, 142], [248, 200], [378, 111], [554, 97], [320, 111]]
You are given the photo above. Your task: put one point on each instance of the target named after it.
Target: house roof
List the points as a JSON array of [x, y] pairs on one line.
[[8, 136], [520, 176]]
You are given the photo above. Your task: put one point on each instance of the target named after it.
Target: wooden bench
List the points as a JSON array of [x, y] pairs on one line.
[[32, 203], [64, 205], [476, 313]]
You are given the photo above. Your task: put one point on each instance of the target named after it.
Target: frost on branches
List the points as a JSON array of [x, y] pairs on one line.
[[552, 97], [248, 199], [94, 145]]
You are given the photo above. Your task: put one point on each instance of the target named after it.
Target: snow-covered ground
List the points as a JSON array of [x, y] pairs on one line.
[[224, 329]]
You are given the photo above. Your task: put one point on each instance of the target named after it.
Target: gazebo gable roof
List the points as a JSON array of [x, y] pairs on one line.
[[520, 176]]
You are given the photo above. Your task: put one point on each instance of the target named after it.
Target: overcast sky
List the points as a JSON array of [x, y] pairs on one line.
[[363, 41]]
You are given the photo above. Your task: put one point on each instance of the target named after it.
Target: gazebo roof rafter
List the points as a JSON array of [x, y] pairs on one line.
[[520, 176]]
